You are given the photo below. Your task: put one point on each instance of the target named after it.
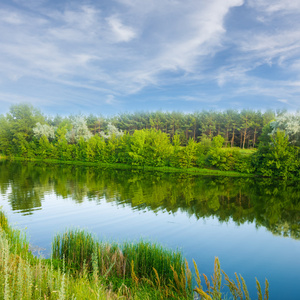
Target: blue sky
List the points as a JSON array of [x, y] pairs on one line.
[[114, 56]]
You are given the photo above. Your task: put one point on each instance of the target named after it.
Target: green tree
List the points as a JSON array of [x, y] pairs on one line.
[[246, 123], [278, 158], [17, 128], [187, 155]]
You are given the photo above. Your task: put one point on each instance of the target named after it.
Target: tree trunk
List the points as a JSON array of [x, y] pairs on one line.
[[245, 133], [232, 139], [244, 141], [227, 137], [254, 137], [241, 140]]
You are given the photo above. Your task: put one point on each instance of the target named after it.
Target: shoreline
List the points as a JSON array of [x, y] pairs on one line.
[[192, 171]]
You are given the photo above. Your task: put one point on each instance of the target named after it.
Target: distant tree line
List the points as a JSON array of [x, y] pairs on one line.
[[240, 129], [201, 139]]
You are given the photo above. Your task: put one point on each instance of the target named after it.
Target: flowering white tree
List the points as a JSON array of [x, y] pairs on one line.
[[44, 130], [290, 123], [79, 130], [112, 131]]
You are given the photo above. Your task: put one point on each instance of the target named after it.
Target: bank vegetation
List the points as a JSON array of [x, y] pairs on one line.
[[248, 142]]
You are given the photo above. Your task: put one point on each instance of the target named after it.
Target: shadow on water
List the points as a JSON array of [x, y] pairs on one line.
[[273, 205]]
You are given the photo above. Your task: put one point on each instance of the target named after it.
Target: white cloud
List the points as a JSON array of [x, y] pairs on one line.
[[111, 100], [184, 36], [121, 32], [283, 100], [13, 98], [272, 6], [294, 83], [266, 52], [12, 18]]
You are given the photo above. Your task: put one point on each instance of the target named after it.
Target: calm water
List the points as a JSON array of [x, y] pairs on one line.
[[252, 225]]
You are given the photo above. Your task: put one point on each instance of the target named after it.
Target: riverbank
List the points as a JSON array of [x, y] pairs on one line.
[[193, 171]]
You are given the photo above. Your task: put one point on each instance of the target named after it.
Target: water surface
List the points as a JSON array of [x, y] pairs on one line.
[[252, 225]]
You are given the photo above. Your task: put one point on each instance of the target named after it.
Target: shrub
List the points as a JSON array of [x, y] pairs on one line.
[[223, 158]]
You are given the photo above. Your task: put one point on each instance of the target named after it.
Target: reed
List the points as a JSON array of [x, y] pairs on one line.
[[79, 248], [237, 290], [82, 252], [148, 256]]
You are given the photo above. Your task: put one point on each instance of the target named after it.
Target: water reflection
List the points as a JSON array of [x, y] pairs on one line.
[[274, 205]]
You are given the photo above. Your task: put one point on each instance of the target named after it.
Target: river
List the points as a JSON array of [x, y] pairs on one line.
[[251, 225]]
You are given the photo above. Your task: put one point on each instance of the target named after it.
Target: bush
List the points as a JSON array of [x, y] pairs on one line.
[[223, 158], [244, 164], [278, 158]]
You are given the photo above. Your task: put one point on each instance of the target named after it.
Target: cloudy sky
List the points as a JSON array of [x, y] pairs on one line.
[[110, 56]]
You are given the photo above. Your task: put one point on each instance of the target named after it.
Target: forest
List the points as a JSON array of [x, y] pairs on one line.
[[248, 141]]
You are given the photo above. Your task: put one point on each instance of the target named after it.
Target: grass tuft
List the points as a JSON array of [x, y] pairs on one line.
[[130, 260]]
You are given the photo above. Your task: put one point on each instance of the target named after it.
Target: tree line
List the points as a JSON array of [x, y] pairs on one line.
[[207, 139], [240, 129]]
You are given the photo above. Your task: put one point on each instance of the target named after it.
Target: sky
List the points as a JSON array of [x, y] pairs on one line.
[[112, 56]]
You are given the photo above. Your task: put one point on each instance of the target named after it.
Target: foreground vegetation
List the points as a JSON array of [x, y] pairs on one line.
[[209, 141], [83, 268]]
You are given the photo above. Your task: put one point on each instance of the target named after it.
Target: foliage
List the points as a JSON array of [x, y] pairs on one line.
[[171, 140], [79, 130], [187, 155], [290, 123], [218, 141], [44, 130], [16, 129], [150, 147], [244, 163], [278, 158], [112, 131], [224, 159]]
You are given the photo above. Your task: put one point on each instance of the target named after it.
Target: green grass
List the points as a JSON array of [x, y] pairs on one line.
[[245, 151], [81, 251]]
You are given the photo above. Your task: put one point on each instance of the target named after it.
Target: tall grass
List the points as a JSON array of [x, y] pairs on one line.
[[83, 268], [238, 290], [80, 250], [23, 276], [16, 239]]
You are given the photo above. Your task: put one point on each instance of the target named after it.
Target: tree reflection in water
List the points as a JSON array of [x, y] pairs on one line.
[[274, 205]]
